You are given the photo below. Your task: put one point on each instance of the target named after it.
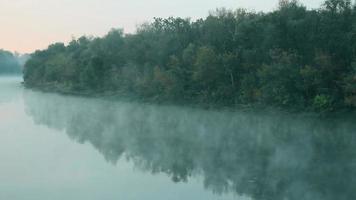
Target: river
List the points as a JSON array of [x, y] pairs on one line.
[[74, 148]]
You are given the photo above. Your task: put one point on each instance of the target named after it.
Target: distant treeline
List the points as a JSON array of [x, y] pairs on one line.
[[9, 63], [291, 57]]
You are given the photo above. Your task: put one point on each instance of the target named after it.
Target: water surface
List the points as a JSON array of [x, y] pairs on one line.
[[63, 147]]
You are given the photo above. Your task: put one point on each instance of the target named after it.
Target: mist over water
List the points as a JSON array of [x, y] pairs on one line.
[[140, 151], [10, 88]]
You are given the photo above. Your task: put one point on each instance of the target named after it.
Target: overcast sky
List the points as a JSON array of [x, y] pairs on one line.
[[27, 25]]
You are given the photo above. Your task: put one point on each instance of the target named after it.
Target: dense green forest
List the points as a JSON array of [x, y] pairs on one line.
[[291, 57], [9, 63]]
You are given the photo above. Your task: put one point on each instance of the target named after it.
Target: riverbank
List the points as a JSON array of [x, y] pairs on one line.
[[125, 97]]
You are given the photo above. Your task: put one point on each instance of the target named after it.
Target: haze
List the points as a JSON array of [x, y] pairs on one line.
[[28, 25]]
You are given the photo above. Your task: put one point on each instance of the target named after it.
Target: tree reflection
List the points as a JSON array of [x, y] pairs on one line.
[[267, 156]]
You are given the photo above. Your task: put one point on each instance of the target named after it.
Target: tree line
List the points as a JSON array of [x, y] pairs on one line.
[[9, 63], [292, 57]]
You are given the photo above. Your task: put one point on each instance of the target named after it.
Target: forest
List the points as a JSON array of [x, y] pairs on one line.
[[9, 63], [289, 58]]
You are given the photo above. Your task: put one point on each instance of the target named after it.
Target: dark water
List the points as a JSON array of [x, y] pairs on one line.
[[61, 147]]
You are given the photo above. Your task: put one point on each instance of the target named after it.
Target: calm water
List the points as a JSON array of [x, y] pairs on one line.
[[60, 147]]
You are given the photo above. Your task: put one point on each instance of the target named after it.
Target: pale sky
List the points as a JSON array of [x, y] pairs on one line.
[[27, 25]]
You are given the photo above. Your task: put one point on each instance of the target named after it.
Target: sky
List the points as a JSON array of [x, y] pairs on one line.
[[28, 25]]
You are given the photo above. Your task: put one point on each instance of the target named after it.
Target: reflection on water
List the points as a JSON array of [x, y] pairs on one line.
[[263, 156], [39, 162]]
